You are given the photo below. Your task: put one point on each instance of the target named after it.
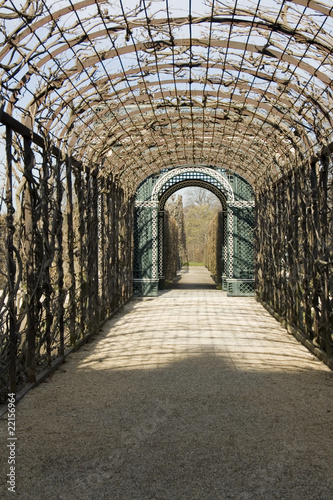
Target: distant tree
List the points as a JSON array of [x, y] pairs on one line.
[[200, 196], [174, 206], [201, 208], [170, 247], [213, 249]]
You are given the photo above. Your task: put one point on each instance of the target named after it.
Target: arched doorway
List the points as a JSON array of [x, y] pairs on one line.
[[199, 220], [236, 196]]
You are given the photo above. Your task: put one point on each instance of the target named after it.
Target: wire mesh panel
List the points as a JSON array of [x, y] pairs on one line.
[[294, 250], [243, 258], [99, 96], [53, 225]]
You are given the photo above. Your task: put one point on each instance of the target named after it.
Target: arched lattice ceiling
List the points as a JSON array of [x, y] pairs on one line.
[[136, 86]]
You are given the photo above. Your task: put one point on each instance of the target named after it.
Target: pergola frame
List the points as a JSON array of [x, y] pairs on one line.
[[98, 96]]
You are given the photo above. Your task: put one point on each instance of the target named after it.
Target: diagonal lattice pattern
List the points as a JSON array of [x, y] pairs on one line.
[[138, 86], [97, 96]]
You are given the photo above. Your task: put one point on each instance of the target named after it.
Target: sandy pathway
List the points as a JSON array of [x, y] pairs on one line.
[[190, 395]]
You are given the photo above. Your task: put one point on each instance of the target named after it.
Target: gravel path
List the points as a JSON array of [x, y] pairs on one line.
[[190, 395]]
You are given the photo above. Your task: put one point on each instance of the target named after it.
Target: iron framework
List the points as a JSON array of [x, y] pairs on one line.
[[237, 199], [98, 96]]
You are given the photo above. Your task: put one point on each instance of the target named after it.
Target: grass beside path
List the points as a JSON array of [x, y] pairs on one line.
[[193, 264]]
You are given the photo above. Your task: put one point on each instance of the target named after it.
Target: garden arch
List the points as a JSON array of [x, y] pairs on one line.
[[100, 99], [237, 199]]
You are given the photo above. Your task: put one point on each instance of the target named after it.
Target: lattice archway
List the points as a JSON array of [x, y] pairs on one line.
[[209, 183], [99, 95], [191, 183], [208, 175], [236, 196]]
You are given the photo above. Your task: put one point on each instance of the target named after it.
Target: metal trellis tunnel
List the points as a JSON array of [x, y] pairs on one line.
[[109, 106]]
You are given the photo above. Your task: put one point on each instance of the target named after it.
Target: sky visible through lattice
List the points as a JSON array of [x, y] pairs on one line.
[[142, 86]]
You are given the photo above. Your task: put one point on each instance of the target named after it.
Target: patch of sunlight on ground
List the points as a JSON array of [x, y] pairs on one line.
[[150, 334]]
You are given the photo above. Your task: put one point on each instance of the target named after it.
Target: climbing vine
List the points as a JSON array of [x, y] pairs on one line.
[[66, 257], [295, 250]]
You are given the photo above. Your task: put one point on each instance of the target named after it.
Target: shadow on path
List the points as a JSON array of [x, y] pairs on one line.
[[191, 278], [195, 429], [191, 395]]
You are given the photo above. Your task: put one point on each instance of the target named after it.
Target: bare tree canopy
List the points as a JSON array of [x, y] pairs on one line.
[[200, 196]]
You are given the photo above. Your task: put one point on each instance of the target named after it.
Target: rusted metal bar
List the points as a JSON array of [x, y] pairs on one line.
[[79, 188], [296, 247], [291, 288], [305, 248], [102, 249], [118, 222], [314, 247], [48, 255], [282, 244], [325, 329], [110, 244], [277, 248], [89, 236], [94, 251]]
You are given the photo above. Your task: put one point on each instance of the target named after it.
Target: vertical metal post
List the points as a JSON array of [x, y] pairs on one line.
[[79, 180], [47, 289], [296, 248], [277, 267], [116, 222], [10, 263], [90, 236], [281, 247], [111, 244], [314, 246], [103, 252], [269, 238], [307, 321], [29, 252], [59, 258], [324, 321], [284, 210], [70, 249], [290, 251], [94, 250]]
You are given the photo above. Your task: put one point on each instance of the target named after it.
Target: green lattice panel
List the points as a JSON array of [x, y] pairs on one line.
[[242, 189], [143, 193], [143, 243], [239, 288], [243, 243]]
